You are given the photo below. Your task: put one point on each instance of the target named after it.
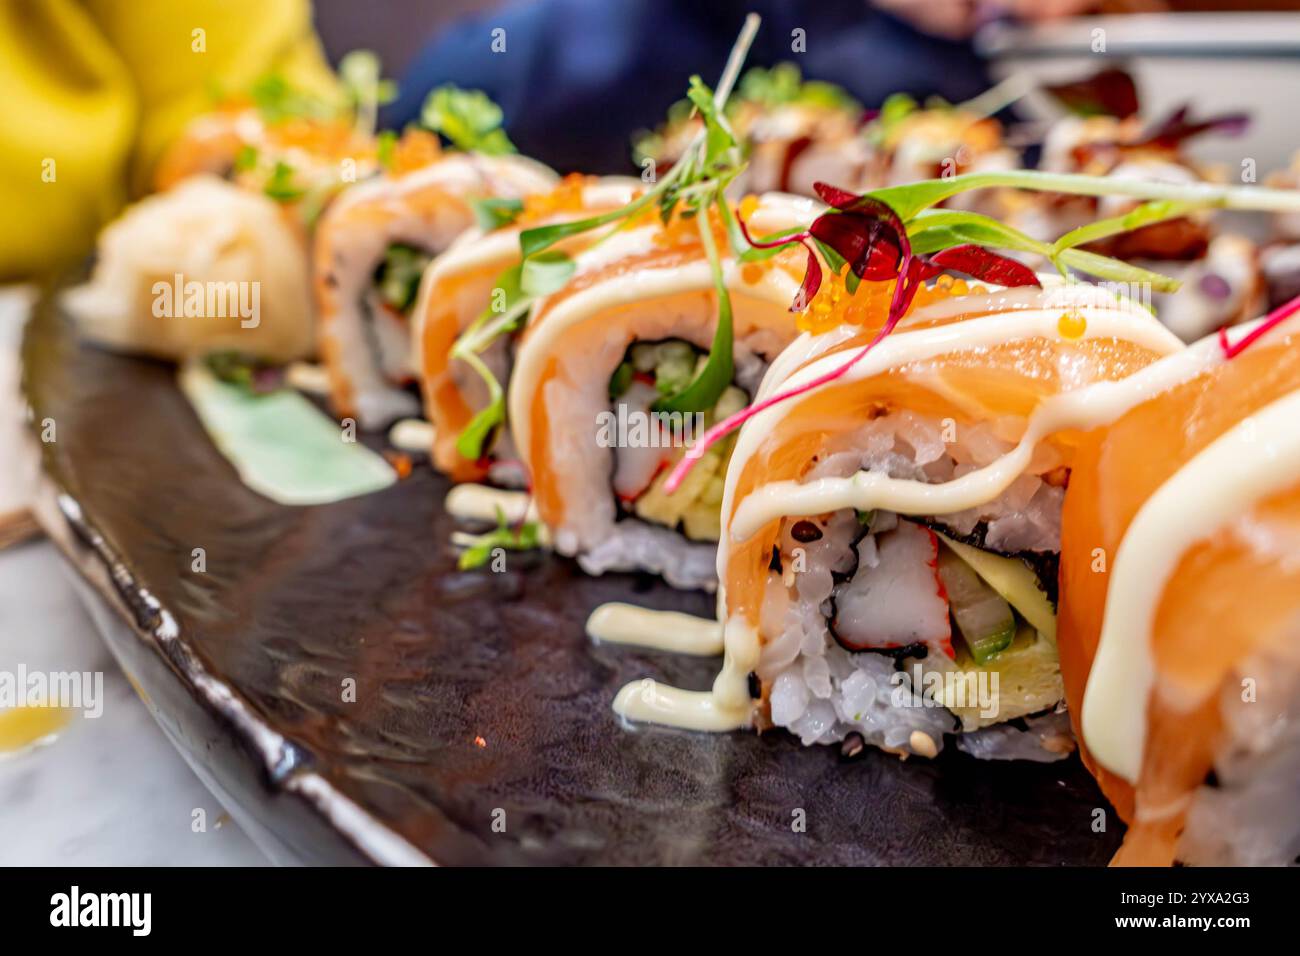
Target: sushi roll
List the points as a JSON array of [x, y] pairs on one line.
[[370, 250], [911, 143], [890, 537], [242, 146], [204, 267], [1221, 272], [796, 132], [633, 324], [1180, 577], [458, 289]]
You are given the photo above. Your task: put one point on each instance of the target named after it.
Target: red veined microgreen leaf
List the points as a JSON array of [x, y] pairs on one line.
[[868, 245], [1275, 318], [812, 282], [979, 263], [1179, 127], [1109, 92]]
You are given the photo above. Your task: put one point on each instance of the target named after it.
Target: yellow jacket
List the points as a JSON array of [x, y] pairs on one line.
[[95, 89]]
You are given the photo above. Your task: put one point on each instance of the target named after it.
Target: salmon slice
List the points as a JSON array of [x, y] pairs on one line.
[[1004, 384], [454, 295], [427, 207], [1226, 602]]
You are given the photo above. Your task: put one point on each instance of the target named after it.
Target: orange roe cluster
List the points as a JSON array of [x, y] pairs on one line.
[[567, 196], [685, 231], [868, 307], [320, 138], [416, 149]]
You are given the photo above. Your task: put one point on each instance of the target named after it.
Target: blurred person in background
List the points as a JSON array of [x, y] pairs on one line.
[[96, 89], [578, 77]]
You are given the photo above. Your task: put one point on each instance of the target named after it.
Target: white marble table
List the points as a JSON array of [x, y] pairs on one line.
[[109, 790]]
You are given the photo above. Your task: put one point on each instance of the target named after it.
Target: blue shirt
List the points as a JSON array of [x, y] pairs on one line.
[[579, 77]]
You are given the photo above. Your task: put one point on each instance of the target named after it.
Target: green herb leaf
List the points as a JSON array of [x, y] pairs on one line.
[[783, 84], [507, 309], [909, 199], [1144, 215], [398, 276], [545, 272], [718, 138], [944, 228], [533, 241], [526, 537], [386, 148], [1116, 270], [621, 380], [246, 158], [893, 111], [363, 82], [473, 441], [712, 380], [277, 100], [492, 213], [280, 186], [468, 119]]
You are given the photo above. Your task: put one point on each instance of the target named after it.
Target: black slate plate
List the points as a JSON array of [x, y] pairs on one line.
[[244, 667]]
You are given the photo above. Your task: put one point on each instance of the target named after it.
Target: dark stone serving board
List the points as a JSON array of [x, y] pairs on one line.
[[244, 666]]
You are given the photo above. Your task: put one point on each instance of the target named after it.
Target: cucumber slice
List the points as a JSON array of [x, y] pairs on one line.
[[1014, 580], [983, 616]]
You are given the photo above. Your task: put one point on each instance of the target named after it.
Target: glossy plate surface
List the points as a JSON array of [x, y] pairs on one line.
[[479, 700]]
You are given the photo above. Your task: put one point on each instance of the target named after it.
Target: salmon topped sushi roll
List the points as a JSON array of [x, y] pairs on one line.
[[466, 285], [371, 247], [890, 537], [598, 361], [238, 143], [1180, 616]]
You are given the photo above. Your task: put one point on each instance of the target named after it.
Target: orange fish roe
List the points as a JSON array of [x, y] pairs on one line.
[[400, 463], [565, 197], [869, 305], [321, 138], [1072, 325], [416, 149], [685, 231]]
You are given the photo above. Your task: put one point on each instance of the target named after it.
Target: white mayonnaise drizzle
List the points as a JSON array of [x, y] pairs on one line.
[[470, 502], [618, 623], [411, 434], [460, 174], [307, 377], [1256, 458]]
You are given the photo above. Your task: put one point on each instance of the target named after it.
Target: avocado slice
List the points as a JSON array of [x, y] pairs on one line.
[[1029, 680]]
